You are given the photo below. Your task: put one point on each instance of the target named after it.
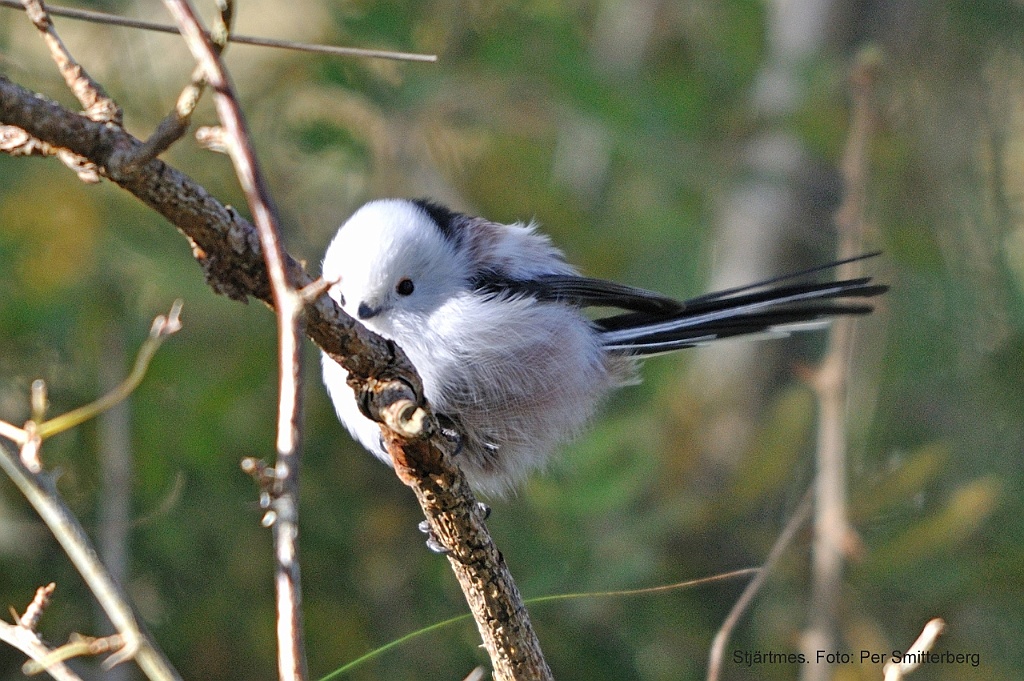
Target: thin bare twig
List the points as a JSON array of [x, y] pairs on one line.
[[911, 660], [799, 517], [13, 433], [161, 328], [23, 636], [334, 50], [17, 142], [25, 470], [77, 646], [98, 106], [834, 539], [289, 305]]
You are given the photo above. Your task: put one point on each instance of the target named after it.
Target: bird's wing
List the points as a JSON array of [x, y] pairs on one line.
[[578, 291]]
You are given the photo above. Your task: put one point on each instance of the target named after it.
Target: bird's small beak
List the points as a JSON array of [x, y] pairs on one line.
[[366, 312]]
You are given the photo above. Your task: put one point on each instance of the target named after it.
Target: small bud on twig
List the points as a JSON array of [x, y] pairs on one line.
[[35, 609]]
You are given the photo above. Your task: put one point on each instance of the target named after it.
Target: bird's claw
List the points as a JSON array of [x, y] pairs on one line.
[[433, 543]]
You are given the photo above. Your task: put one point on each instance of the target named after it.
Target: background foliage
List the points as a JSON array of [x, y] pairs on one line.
[[627, 134]]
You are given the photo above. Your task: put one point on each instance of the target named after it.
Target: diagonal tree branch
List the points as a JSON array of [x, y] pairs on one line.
[[228, 249], [224, 243]]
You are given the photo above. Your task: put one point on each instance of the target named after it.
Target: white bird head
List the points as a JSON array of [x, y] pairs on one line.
[[393, 263]]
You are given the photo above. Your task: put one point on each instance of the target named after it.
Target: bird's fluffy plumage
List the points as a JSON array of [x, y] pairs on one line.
[[491, 317]]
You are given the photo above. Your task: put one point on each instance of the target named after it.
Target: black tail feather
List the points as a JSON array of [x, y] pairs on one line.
[[754, 309]]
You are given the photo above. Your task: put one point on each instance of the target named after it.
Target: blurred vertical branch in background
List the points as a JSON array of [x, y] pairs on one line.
[[115, 459], [835, 540], [770, 207]]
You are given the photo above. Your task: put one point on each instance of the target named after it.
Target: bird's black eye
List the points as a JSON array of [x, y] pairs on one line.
[[405, 287]]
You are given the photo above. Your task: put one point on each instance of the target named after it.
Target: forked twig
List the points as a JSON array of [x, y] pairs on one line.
[[25, 470], [40, 491], [799, 517], [175, 124], [23, 636], [98, 106]]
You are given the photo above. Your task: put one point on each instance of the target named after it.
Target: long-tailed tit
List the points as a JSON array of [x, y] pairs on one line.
[[492, 317]]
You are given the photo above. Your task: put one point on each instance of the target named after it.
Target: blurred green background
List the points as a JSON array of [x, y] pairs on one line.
[[672, 145]]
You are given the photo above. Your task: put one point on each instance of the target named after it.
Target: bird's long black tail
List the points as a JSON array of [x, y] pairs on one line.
[[766, 307]]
